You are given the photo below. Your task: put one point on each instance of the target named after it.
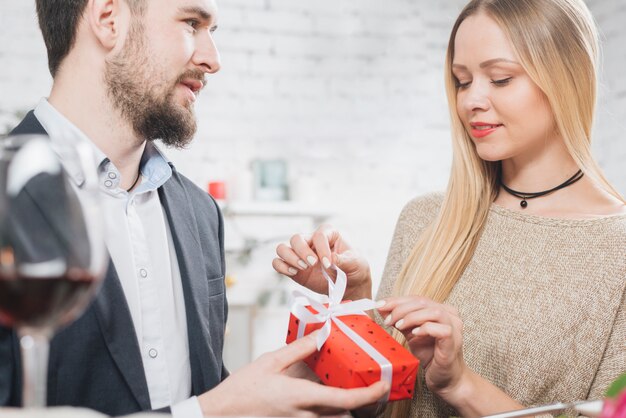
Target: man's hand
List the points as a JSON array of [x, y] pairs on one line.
[[265, 388]]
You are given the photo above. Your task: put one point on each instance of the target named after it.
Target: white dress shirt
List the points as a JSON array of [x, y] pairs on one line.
[[139, 241]]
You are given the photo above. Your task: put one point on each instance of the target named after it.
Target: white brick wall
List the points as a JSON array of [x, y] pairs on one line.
[[610, 144], [349, 92]]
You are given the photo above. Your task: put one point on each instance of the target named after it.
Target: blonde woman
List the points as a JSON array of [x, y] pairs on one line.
[[510, 287]]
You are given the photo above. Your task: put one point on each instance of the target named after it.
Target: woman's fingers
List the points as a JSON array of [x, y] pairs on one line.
[[394, 302], [323, 240], [434, 330], [418, 317], [397, 308], [288, 255], [413, 319], [284, 268], [304, 251], [301, 246]]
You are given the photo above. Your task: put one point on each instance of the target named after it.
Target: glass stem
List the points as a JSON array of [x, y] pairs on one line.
[[35, 346]]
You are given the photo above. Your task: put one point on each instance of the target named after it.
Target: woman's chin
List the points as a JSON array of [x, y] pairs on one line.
[[490, 154]]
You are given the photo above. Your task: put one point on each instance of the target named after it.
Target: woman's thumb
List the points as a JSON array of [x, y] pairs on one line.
[[346, 261]]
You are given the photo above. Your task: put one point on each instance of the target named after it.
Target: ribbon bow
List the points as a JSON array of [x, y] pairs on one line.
[[335, 308]]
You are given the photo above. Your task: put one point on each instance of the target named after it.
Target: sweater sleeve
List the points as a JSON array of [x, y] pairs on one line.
[[613, 361]]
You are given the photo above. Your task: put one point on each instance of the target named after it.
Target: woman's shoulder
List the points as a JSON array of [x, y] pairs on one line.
[[417, 214], [424, 207]]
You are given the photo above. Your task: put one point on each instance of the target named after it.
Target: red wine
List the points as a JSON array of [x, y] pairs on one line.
[[43, 301]]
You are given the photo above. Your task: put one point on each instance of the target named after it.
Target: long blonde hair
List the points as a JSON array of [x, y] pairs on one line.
[[556, 43]]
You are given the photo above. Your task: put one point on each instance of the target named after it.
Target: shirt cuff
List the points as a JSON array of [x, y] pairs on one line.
[[189, 408]]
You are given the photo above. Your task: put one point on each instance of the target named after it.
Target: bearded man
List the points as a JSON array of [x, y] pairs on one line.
[[126, 73]]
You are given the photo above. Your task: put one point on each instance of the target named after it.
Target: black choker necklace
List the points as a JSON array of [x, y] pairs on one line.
[[526, 195]]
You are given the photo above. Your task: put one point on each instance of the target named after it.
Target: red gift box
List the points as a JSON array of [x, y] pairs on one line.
[[343, 363]]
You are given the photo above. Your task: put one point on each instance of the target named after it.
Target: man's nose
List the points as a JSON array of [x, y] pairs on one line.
[[206, 55]]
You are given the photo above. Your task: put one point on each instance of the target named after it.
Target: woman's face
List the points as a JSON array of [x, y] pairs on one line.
[[503, 110]]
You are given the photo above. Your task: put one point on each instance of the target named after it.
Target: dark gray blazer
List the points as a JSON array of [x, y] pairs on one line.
[[95, 362]]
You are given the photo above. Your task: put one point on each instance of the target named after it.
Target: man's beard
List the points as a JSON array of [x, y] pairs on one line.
[[144, 101]]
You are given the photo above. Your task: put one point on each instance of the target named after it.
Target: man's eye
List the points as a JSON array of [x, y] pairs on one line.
[[502, 82], [193, 23]]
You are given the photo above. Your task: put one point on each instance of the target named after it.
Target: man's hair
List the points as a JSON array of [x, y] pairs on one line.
[[59, 20]]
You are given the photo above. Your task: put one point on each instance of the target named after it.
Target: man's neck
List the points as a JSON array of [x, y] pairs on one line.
[[89, 109]]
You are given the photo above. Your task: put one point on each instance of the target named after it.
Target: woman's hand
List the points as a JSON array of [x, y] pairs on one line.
[[303, 258], [434, 333]]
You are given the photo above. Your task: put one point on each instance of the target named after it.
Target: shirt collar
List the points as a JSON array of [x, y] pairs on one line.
[[154, 166], [64, 134]]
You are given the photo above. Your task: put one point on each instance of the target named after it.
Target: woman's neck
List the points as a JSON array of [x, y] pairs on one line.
[[581, 199]]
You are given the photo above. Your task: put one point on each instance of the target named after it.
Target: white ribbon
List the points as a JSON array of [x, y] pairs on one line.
[[331, 314]]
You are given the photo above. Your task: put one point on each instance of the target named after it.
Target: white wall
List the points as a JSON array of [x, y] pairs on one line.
[[610, 143], [349, 92]]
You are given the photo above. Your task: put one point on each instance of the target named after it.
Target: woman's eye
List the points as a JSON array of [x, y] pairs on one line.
[[465, 85], [502, 82]]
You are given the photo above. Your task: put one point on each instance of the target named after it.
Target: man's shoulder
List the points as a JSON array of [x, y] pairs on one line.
[[29, 125], [195, 193]]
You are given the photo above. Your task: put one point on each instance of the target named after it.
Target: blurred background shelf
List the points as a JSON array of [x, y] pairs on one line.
[[275, 209]]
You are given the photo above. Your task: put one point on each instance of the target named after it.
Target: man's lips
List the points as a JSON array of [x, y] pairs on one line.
[[194, 85]]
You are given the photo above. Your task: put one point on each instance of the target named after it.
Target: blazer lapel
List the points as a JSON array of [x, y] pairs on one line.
[[119, 334], [193, 276]]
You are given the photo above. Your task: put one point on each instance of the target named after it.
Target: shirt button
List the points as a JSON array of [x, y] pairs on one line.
[[112, 175], [143, 273], [153, 353], [108, 183]]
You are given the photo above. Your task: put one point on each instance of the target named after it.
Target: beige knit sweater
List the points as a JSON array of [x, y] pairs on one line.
[[542, 302]]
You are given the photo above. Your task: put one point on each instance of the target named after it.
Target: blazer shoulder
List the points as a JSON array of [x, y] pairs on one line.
[[197, 196], [29, 125]]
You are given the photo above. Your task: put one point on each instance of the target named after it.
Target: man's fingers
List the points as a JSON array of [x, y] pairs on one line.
[[294, 352], [345, 399], [300, 370]]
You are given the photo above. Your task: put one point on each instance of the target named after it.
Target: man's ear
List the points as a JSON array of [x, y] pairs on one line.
[[104, 19]]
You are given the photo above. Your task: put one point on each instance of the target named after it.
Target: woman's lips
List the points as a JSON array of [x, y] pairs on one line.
[[481, 129]]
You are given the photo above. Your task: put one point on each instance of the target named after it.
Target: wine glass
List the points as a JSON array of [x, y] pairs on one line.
[[52, 253]]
